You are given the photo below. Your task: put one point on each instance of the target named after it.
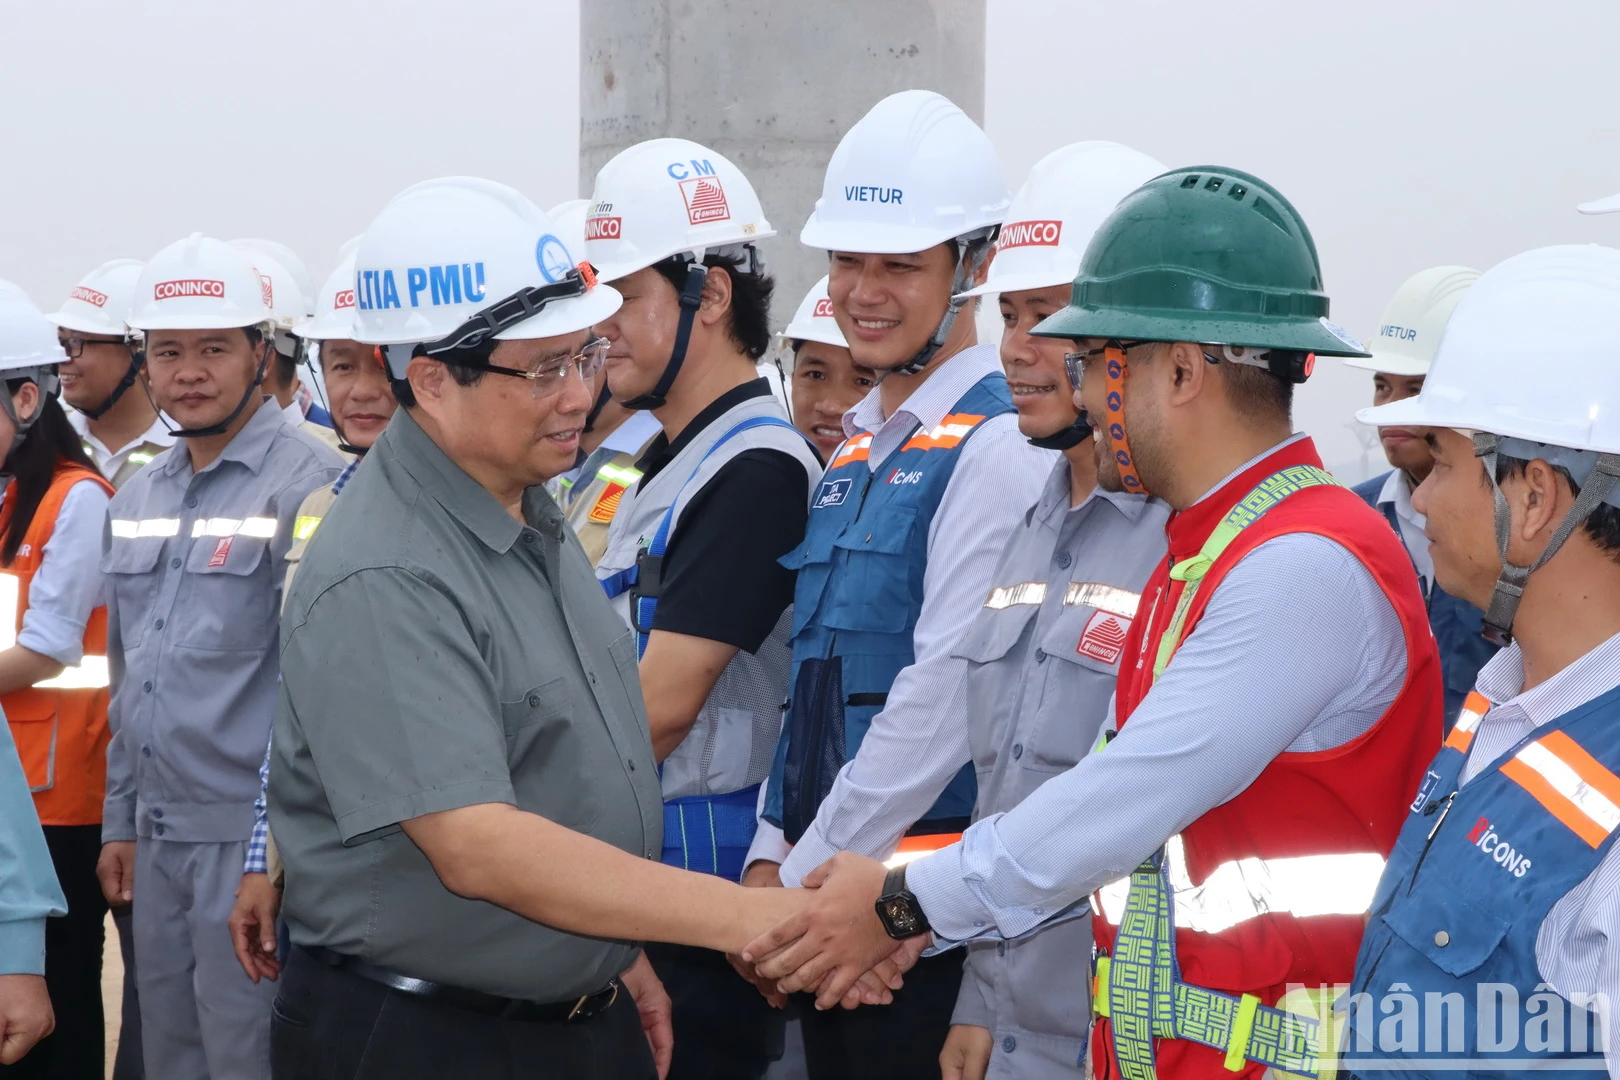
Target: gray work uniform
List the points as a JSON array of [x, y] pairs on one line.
[[1044, 652], [437, 654], [193, 564]]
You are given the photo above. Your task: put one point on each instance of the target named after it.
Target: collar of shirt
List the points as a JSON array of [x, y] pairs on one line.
[[638, 429], [1054, 500], [1188, 529], [661, 451], [1501, 681], [156, 435], [462, 497], [249, 446], [1397, 491], [294, 413], [929, 404]]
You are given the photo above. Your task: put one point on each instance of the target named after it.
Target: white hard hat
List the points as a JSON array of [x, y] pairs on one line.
[[27, 337], [199, 283], [288, 259], [814, 320], [100, 302], [287, 304], [1611, 205], [668, 197], [444, 251], [914, 172], [334, 307], [569, 218], [1068, 194], [1530, 353], [1410, 328]]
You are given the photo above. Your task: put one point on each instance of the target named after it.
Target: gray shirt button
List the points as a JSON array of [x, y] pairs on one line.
[[1009, 1044], [1064, 559], [534, 701], [158, 625], [1040, 656], [147, 686], [1018, 750], [1001, 948], [157, 813], [146, 751], [630, 763], [1442, 939], [157, 830], [191, 502], [174, 564]]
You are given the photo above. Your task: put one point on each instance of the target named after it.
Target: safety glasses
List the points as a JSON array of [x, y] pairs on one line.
[[1075, 363], [74, 346], [551, 375]]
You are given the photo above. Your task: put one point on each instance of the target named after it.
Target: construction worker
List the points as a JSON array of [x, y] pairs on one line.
[[53, 665], [361, 406], [1491, 943], [433, 935], [1407, 336], [1273, 708], [122, 432], [1043, 651], [193, 560], [692, 555], [905, 533], [826, 382]]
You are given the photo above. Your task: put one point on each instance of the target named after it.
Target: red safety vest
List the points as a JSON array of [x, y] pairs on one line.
[[60, 724], [1349, 801]]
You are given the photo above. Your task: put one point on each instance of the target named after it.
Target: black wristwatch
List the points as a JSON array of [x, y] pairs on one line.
[[902, 916]]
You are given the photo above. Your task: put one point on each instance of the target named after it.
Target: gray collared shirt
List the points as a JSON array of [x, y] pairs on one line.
[[439, 654], [194, 563]]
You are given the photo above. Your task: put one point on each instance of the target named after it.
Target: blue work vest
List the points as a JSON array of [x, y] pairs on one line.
[[1457, 625], [855, 604], [1451, 945]]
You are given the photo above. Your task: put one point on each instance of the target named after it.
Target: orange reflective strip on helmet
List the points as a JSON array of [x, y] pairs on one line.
[[1473, 711], [1114, 413]]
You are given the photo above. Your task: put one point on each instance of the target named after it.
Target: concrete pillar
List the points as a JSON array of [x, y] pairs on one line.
[[773, 86]]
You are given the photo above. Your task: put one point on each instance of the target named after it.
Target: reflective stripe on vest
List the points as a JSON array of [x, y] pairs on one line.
[[1570, 783], [304, 526], [1475, 706], [89, 674], [1244, 889], [1146, 997]]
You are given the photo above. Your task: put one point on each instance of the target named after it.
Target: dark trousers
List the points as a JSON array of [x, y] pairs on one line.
[[332, 1025], [73, 944], [724, 1028], [128, 1064], [886, 1042]]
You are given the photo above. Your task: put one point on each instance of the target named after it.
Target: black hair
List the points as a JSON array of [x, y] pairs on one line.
[[466, 367], [1256, 394], [750, 326], [1602, 527], [50, 443]]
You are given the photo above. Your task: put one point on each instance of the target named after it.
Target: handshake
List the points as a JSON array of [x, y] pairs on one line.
[[833, 945]]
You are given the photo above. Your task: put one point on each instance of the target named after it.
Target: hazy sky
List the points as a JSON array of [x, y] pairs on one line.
[[1408, 132]]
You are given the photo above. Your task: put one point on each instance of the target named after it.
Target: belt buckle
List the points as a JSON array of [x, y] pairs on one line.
[[583, 998]]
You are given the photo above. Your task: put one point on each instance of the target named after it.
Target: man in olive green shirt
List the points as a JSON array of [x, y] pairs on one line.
[[462, 785]]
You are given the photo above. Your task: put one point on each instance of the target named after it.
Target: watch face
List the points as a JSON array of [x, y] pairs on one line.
[[902, 918]]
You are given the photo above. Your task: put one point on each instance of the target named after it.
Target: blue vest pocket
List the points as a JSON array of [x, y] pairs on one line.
[[815, 750], [1453, 933], [882, 589]]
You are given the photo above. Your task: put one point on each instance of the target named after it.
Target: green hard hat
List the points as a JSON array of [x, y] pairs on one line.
[[1209, 255]]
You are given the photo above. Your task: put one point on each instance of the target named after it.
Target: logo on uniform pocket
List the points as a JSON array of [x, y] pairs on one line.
[[222, 551], [832, 493], [1104, 638]]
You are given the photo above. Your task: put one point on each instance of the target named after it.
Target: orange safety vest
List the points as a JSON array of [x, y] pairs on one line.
[[60, 724]]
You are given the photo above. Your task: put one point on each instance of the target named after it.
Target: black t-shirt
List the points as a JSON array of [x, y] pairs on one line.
[[721, 577]]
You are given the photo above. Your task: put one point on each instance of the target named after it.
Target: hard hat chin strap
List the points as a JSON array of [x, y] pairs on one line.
[[137, 360], [1510, 583], [974, 253], [49, 383], [691, 300], [1114, 414], [266, 350], [1067, 437]]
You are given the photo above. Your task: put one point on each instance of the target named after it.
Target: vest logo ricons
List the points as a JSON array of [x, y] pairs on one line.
[[1029, 234], [901, 476], [172, 290], [88, 296], [1104, 637], [1484, 837], [833, 493]]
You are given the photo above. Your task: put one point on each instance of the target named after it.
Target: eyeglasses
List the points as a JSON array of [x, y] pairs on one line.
[[1075, 363], [551, 375], [74, 346]]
